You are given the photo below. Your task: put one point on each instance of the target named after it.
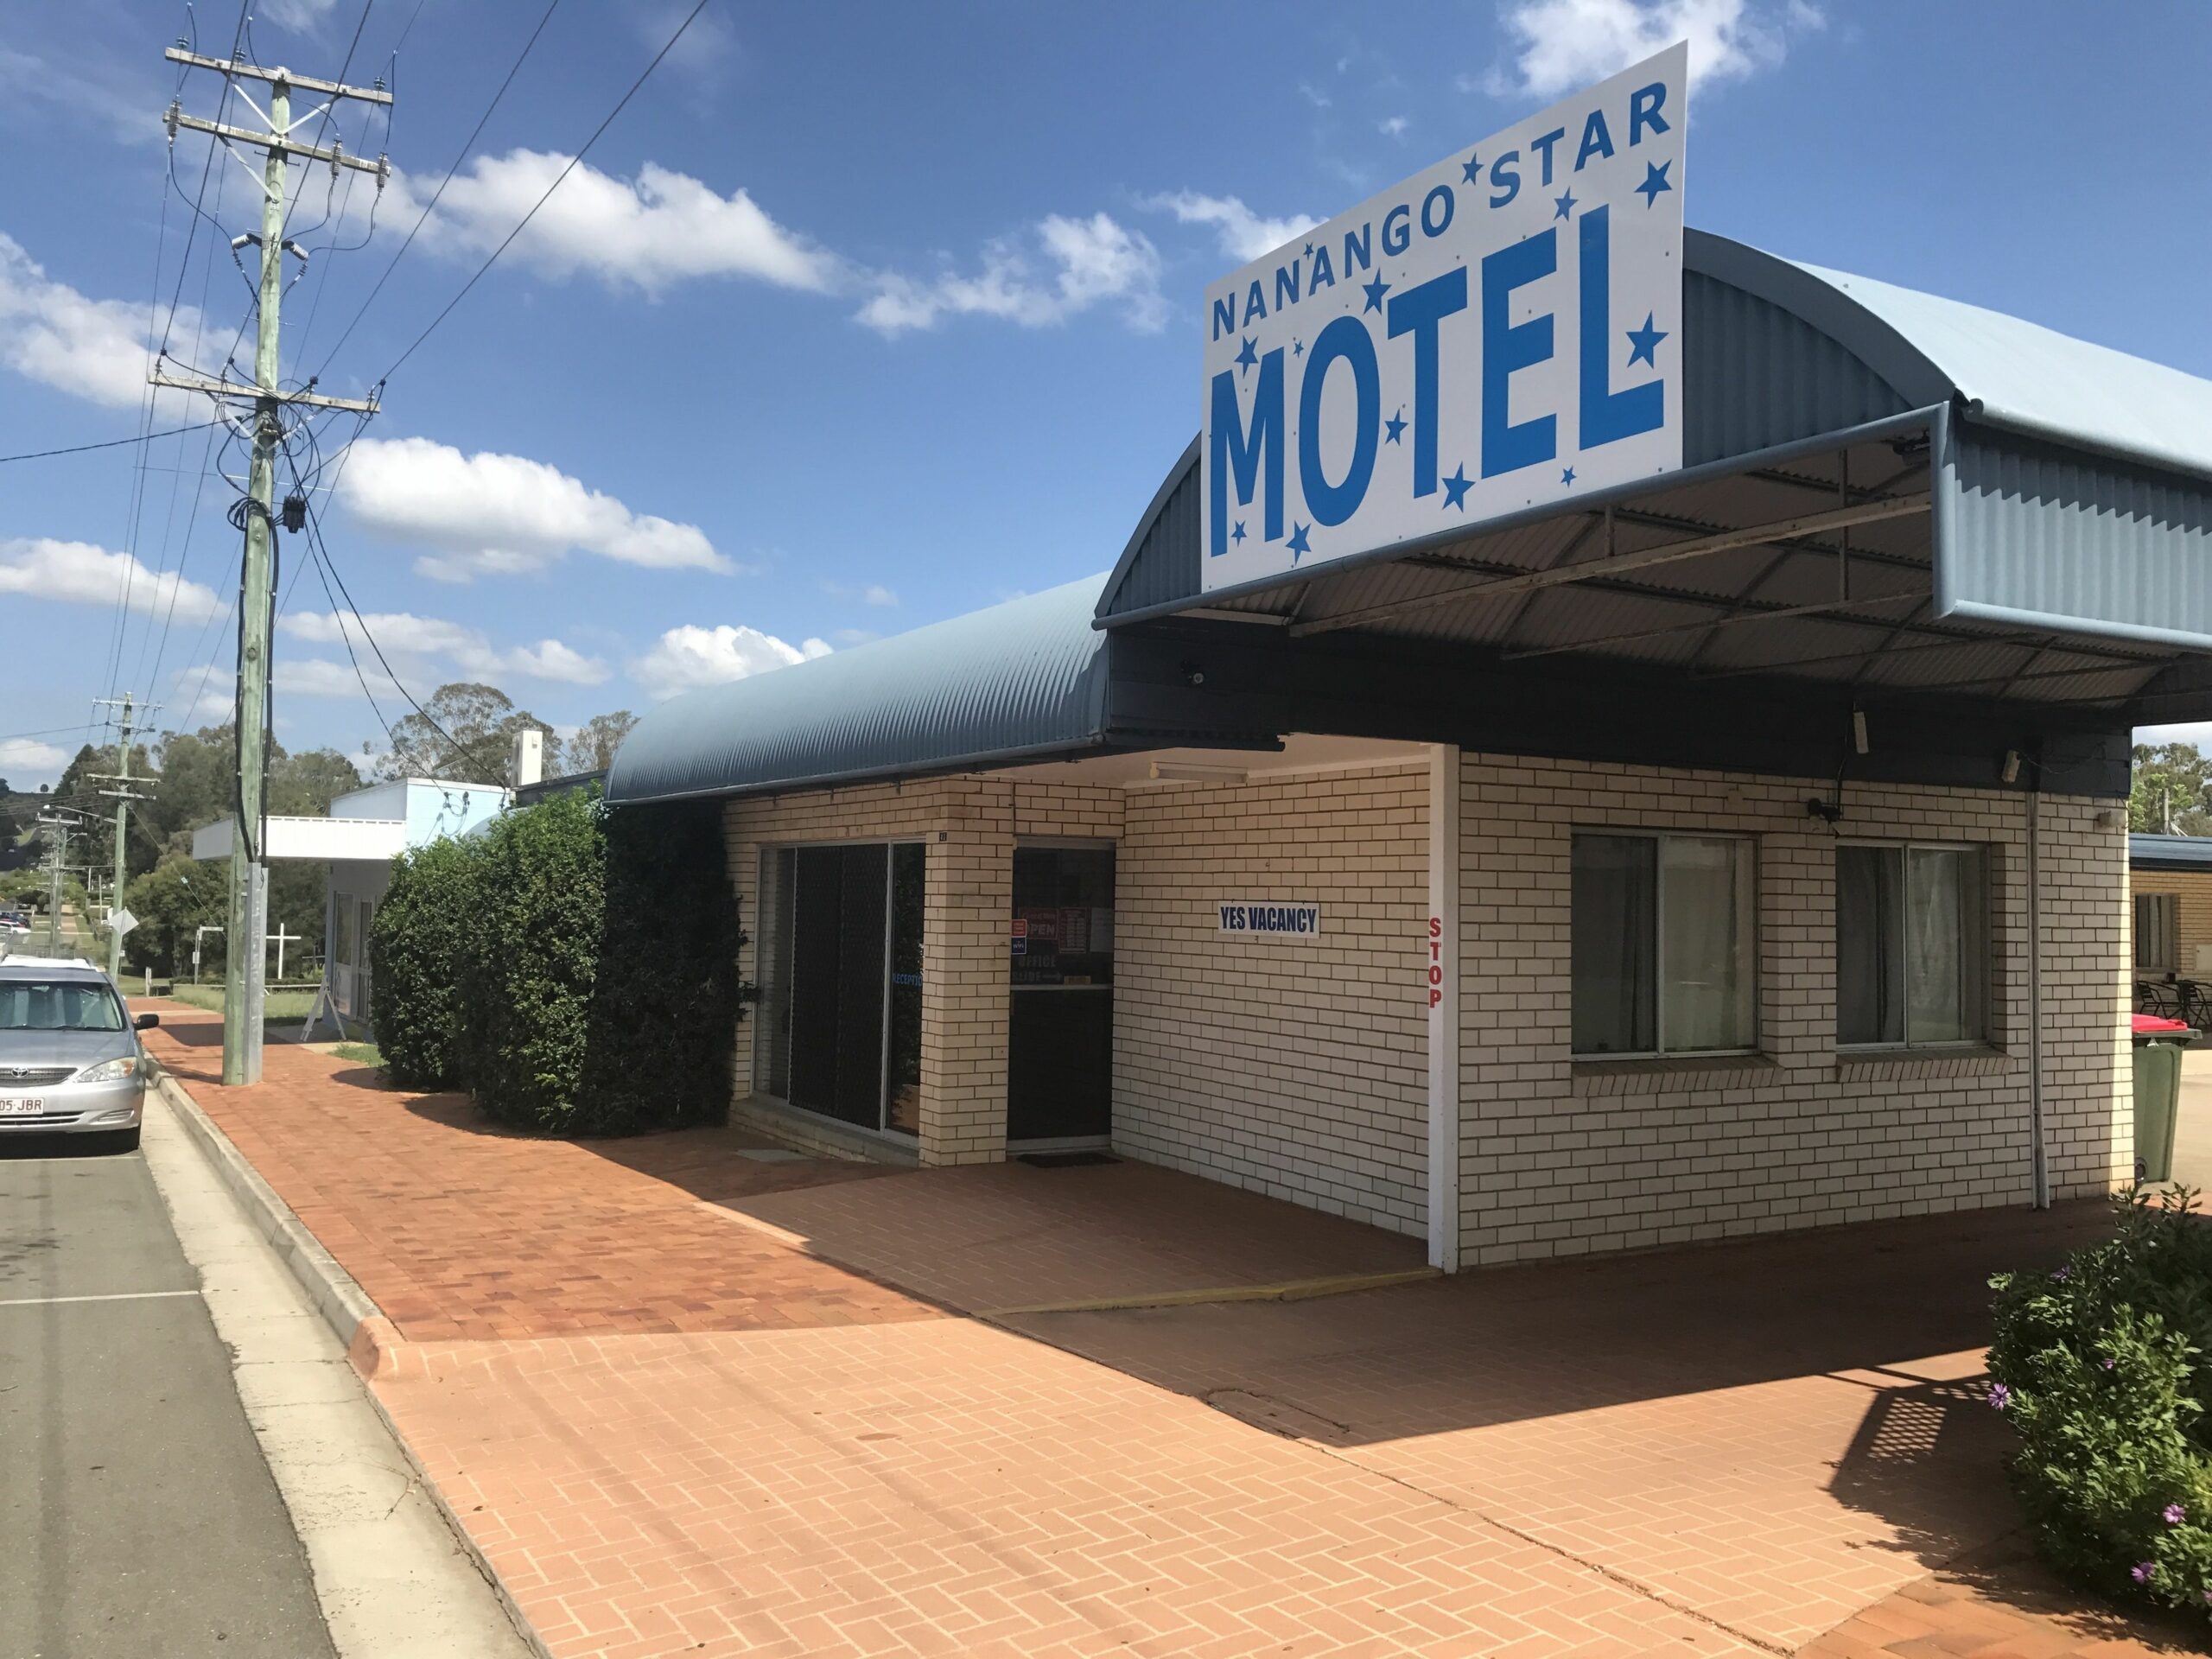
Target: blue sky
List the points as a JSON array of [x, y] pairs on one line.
[[864, 315]]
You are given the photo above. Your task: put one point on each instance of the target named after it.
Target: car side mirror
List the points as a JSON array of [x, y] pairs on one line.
[[145, 1022]]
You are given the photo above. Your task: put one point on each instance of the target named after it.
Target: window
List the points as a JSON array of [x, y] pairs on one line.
[[2158, 934], [1909, 958], [840, 967], [343, 945], [1665, 943]]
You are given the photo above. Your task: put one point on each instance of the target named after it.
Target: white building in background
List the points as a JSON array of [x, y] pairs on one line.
[[364, 831]]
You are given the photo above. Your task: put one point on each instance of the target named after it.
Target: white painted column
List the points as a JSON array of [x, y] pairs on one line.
[[1442, 946]]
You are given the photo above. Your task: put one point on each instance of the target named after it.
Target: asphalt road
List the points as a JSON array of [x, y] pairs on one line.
[[137, 1515]]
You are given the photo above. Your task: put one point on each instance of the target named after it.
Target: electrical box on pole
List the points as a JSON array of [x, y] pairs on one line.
[[243, 971]]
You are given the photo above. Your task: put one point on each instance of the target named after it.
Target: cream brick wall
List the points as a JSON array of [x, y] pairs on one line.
[[1298, 1069], [1557, 1159], [969, 825]]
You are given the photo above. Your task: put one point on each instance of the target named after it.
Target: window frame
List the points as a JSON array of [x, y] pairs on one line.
[[777, 934], [1753, 947], [2169, 933], [1975, 952]]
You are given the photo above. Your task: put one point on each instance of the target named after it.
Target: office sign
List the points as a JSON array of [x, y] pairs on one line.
[[1269, 918], [1503, 331]]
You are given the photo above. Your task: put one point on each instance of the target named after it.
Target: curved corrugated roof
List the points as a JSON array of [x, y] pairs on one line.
[[2007, 371], [1776, 351], [1024, 678]]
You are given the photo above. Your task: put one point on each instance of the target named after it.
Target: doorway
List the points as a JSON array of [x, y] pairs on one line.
[[841, 993], [1060, 1023]]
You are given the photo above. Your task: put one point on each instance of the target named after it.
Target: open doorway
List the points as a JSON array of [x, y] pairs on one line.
[[1061, 1023]]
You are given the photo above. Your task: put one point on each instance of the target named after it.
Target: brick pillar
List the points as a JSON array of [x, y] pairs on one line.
[[969, 899]]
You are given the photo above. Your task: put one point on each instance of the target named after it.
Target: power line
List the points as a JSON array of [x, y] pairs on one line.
[[111, 443], [575, 161], [322, 551], [461, 155], [237, 36]]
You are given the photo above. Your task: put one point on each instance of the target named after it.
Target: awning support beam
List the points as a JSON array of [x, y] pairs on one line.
[[1826, 607], [1725, 541]]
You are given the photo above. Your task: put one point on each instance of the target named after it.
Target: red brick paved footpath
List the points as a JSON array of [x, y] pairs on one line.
[[673, 1432]]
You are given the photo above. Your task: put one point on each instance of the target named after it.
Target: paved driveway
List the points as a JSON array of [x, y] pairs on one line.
[[674, 1430]]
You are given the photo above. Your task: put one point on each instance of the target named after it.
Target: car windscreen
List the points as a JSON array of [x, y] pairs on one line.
[[58, 1005]]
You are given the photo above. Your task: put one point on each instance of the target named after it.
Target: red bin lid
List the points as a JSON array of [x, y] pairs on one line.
[[2152, 1022]]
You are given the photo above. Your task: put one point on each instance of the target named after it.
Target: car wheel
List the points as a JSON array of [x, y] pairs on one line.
[[121, 1140]]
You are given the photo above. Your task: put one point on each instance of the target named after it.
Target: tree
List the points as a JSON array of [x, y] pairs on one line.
[[2172, 791], [172, 900], [592, 749], [481, 720]]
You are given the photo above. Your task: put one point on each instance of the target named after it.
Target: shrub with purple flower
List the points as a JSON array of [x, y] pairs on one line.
[[2104, 1370]]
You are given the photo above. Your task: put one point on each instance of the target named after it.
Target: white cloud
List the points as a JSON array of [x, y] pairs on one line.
[[1086, 261], [685, 659], [25, 762], [313, 677], [1564, 44], [295, 15], [705, 48], [93, 349], [1244, 233], [490, 514], [81, 574], [661, 227], [876, 594], [1393, 126], [417, 640]]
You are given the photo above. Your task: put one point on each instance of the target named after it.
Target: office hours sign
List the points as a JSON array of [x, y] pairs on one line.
[[1500, 332]]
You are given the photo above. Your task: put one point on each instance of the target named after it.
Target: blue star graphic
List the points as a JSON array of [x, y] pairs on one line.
[[1643, 341], [1238, 534], [1563, 207], [1472, 168], [1298, 542], [1309, 246], [1298, 348], [1655, 181], [1374, 291], [1456, 488], [1567, 476], [1394, 425], [1247, 357]]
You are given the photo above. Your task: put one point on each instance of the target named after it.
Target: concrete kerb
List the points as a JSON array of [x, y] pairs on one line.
[[371, 1339], [345, 1307]]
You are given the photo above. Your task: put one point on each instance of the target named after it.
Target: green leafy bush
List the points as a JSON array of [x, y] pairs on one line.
[[2105, 1368], [531, 958], [664, 1007], [576, 969], [417, 944]]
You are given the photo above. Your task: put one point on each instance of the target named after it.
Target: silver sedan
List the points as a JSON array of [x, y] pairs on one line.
[[70, 1058]]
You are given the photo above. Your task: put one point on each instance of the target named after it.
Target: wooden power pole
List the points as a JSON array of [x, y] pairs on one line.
[[243, 966]]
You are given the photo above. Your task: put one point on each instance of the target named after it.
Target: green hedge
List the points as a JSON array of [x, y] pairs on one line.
[[2105, 1368], [417, 946], [574, 968]]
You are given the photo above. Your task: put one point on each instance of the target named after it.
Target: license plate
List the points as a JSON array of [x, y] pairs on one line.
[[22, 1105]]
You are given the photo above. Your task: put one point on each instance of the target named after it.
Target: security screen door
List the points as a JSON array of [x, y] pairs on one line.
[[1061, 1027]]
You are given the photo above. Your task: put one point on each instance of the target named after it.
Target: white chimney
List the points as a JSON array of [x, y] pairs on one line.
[[527, 765]]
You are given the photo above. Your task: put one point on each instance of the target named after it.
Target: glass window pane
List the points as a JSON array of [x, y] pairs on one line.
[[1705, 952], [1869, 944], [903, 1099], [1614, 909], [1938, 886]]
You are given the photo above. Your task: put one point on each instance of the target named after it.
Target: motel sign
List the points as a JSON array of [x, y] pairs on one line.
[[1500, 332]]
